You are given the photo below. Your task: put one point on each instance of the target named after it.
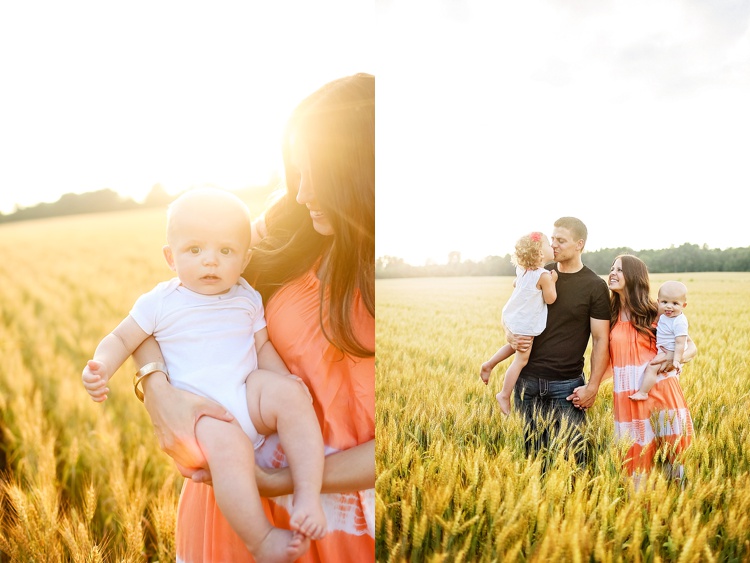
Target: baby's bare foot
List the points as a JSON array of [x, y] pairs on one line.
[[639, 396], [504, 403], [485, 372], [280, 546], [308, 517]]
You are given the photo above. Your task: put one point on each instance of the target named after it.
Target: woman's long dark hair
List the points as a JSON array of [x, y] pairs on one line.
[[636, 299], [337, 125]]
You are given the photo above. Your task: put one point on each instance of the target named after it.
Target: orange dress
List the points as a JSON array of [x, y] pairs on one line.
[[662, 418], [343, 391]]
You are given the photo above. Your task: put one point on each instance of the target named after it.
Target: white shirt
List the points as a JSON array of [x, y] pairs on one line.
[[669, 328], [208, 341]]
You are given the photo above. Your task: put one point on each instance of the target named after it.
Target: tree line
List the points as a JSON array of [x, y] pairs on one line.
[[90, 202], [685, 258], [109, 200]]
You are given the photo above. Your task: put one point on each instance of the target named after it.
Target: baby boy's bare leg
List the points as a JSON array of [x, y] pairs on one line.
[[231, 460], [649, 379], [280, 404]]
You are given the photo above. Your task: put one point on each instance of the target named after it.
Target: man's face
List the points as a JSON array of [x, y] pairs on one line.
[[564, 245]]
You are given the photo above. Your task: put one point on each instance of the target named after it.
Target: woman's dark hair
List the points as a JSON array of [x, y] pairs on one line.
[[337, 125], [636, 299]]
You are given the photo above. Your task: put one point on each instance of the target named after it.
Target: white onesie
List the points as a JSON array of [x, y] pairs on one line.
[[669, 328], [208, 341]]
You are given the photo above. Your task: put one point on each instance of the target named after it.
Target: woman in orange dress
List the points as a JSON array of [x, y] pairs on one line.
[[663, 420], [314, 265]]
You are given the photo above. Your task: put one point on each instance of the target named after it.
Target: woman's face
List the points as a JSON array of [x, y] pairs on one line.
[[616, 277], [306, 193]]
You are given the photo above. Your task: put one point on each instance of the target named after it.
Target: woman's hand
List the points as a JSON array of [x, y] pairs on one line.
[[271, 482], [174, 413], [665, 360]]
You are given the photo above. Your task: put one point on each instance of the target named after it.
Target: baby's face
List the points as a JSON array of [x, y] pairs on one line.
[[207, 252], [671, 303]]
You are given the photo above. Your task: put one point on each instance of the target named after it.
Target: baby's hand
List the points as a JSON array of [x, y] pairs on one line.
[[553, 273], [95, 379]]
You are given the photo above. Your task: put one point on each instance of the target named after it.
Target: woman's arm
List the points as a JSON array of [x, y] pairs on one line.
[[665, 360], [583, 397], [174, 412], [690, 350], [344, 472]]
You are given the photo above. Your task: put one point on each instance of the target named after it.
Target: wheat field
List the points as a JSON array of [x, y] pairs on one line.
[[83, 481], [88, 482], [453, 480]]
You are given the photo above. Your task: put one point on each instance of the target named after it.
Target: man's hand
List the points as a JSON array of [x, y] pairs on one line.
[[519, 343], [584, 396]]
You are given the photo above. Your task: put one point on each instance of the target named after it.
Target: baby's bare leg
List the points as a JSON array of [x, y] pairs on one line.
[[487, 367], [649, 379], [278, 403], [231, 460], [511, 376]]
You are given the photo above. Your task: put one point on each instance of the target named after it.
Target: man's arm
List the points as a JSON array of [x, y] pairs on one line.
[[584, 396]]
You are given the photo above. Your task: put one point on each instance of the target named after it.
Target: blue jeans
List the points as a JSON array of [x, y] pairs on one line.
[[544, 408]]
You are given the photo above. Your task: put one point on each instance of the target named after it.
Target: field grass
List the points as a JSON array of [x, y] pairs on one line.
[[80, 481], [453, 480], [87, 482]]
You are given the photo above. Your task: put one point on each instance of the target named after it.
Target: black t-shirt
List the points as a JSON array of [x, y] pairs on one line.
[[557, 353]]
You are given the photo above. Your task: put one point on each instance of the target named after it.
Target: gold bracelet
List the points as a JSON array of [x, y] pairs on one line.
[[144, 372]]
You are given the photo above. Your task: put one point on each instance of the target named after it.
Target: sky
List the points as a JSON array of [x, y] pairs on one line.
[[504, 116], [127, 95], [493, 118]]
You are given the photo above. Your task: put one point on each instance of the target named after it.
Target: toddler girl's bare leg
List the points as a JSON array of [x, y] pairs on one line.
[[487, 367], [511, 376], [278, 403], [231, 460]]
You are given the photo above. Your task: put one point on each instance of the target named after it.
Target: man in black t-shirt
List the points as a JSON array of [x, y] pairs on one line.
[[544, 392]]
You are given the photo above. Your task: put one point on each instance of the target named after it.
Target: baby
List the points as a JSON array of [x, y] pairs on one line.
[[211, 328], [671, 333], [525, 313]]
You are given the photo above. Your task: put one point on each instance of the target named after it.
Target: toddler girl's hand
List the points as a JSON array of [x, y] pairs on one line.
[[95, 379]]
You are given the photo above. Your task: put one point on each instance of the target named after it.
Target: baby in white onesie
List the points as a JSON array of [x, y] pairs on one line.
[[211, 329], [671, 334]]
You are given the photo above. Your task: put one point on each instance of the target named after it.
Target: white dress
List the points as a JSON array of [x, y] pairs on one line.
[[525, 313]]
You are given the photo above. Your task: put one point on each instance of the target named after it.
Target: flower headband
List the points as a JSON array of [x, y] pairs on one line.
[[536, 236]]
